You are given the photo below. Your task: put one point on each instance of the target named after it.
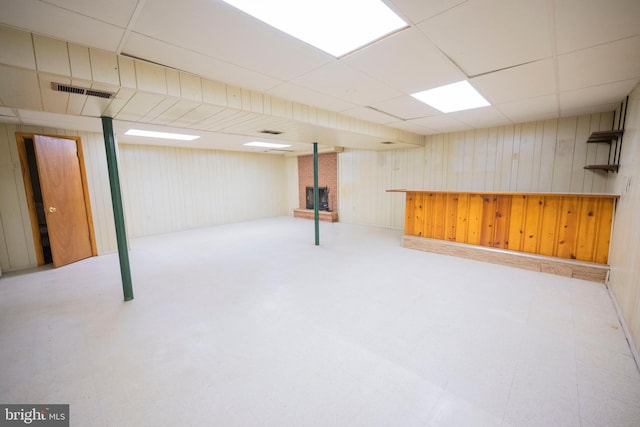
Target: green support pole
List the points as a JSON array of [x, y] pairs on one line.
[[316, 193], [116, 201]]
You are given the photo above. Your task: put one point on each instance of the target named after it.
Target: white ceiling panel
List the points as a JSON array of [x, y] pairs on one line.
[[23, 90], [525, 81], [60, 121], [198, 114], [209, 31], [139, 106], [418, 11], [370, 115], [531, 109], [482, 117], [173, 114], [343, 82], [483, 36], [116, 12], [604, 95], [52, 100], [187, 60], [607, 63], [441, 123], [17, 48], [586, 23], [406, 107], [42, 18], [308, 96], [410, 126], [408, 61]]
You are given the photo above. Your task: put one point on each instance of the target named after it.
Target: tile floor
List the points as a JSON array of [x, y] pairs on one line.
[[250, 324]]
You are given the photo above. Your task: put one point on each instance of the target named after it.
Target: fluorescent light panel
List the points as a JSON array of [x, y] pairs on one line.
[[334, 26], [453, 97], [162, 135], [266, 144]]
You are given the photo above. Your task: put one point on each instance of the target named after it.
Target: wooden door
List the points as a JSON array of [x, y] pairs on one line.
[[64, 199]]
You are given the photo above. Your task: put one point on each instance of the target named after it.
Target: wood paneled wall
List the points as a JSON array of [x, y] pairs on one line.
[[169, 189], [624, 279], [542, 156], [16, 240], [566, 226]]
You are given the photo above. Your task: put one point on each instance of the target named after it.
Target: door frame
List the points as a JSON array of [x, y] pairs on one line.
[[26, 178]]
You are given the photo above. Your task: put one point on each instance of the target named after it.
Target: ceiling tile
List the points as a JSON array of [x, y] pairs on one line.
[[524, 81], [481, 117], [45, 19], [117, 12], [308, 96], [182, 59], [607, 63], [406, 107], [410, 126], [442, 123], [586, 23], [418, 11], [483, 36], [525, 110], [139, 106], [24, 90], [343, 82], [53, 100], [17, 48], [593, 99], [221, 31], [199, 114], [406, 61], [60, 121], [370, 115]]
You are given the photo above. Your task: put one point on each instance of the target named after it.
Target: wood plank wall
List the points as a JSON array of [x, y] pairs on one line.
[[168, 189], [164, 189], [566, 226], [541, 156], [624, 280]]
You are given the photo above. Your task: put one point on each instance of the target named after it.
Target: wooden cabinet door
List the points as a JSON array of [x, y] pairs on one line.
[[64, 200]]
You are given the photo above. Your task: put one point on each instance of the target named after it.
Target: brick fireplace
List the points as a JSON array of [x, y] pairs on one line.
[[327, 177]]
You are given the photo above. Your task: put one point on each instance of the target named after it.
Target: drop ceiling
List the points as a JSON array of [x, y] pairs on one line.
[[531, 59]]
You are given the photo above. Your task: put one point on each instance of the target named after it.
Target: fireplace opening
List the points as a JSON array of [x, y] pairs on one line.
[[323, 193]]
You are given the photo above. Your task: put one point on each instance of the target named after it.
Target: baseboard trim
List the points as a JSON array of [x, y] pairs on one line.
[[559, 266], [632, 345]]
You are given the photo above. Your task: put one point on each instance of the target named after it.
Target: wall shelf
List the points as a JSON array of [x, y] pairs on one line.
[[607, 168], [607, 136], [613, 138]]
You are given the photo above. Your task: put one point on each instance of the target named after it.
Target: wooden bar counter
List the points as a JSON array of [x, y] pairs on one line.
[[566, 226]]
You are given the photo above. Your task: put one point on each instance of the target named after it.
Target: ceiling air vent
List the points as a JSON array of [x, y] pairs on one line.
[[59, 87], [271, 132]]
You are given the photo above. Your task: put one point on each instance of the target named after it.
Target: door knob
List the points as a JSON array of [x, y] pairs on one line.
[[52, 209]]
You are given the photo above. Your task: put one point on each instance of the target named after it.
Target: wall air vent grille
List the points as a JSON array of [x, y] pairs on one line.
[[59, 87]]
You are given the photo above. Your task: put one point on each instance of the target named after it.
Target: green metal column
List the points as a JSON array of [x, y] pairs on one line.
[[316, 193], [116, 201]]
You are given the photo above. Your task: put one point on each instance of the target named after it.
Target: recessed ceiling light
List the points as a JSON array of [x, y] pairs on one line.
[[334, 26], [162, 135], [266, 144], [453, 97]]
